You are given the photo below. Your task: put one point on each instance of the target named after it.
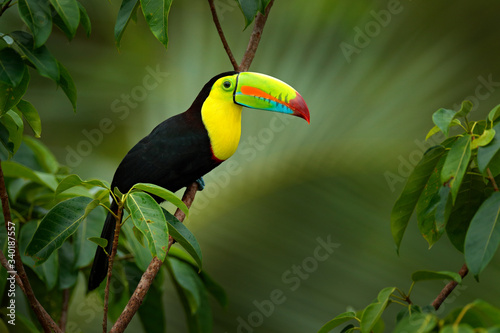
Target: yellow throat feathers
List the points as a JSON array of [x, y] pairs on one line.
[[222, 119]]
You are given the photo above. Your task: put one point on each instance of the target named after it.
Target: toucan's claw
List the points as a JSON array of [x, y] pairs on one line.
[[201, 183]]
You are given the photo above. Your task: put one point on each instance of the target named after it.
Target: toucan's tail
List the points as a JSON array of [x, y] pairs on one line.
[[100, 265]]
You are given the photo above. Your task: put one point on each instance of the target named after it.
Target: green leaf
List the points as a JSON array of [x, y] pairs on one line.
[[99, 241], [43, 155], [162, 193], [74, 180], [84, 247], [431, 132], [443, 119], [4, 138], [183, 236], [338, 320], [404, 206], [68, 275], [418, 322], [31, 115], [84, 19], [11, 67], [9, 96], [432, 275], [156, 15], [41, 58], [142, 255], [59, 223], [249, 8], [15, 126], [188, 280], [469, 198], [67, 85], [487, 153], [214, 289], [37, 16], [465, 109], [149, 219], [16, 170], [484, 139], [494, 113], [456, 163], [69, 12], [127, 10], [374, 311], [489, 314], [483, 236]]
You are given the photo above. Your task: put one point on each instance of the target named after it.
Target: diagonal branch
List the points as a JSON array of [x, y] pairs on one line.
[[449, 288], [221, 34], [253, 43], [43, 317]]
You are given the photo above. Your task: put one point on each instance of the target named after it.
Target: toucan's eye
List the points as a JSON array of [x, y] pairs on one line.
[[227, 84]]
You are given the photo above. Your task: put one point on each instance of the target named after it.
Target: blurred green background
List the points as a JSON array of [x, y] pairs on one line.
[[372, 73]]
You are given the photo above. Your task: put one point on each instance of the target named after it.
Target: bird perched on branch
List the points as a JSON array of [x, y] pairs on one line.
[[185, 147]]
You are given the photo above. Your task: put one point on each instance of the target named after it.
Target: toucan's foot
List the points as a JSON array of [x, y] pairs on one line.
[[201, 183]]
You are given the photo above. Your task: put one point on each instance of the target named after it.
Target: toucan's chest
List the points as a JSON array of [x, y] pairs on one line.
[[222, 120]]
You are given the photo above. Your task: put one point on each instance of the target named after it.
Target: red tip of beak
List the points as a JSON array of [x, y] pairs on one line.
[[299, 107]]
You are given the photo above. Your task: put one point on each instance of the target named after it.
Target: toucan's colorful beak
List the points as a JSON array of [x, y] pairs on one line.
[[259, 91]]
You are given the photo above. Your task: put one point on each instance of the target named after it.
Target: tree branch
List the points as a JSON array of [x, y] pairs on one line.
[[253, 43], [221, 35], [64, 310], [43, 317], [154, 267], [449, 288], [114, 249]]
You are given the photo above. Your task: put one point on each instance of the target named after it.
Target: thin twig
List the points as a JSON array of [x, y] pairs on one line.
[[43, 317], [148, 277], [5, 7], [449, 288], [64, 310], [253, 43], [492, 179], [221, 35], [114, 249]]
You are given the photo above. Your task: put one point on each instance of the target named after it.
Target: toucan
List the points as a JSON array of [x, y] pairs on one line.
[[183, 148]]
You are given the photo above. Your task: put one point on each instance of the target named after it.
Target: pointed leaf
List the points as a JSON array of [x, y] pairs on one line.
[[338, 320], [494, 113], [443, 118], [31, 115], [9, 96], [374, 311], [69, 12], [188, 280], [456, 164], [483, 236], [41, 58], [484, 139], [59, 223], [249, 8], [183, 236], [67, 85], [127, 10], [214, 289], [487, 153], [162, 193], [15, 126], [465, 109], [102, 242], [84, 248], [43, 155], [149, 219], [156, 15], [404, 206], [431, 275], [36, 15], [142, 255], [84, 19], [11, 67]]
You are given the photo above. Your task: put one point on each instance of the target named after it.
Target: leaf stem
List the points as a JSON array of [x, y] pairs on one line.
[[492, 179], [5, 7], [462, 314]]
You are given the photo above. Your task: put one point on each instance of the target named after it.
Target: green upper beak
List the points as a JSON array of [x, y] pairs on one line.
[[260, 91]]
